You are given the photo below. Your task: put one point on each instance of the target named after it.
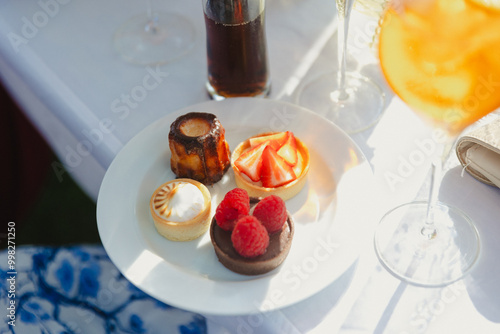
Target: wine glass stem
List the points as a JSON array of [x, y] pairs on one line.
[[442, 152], [152, 23], [343, 14], [429, 229]]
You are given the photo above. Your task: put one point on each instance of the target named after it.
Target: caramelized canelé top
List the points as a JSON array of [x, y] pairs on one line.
[[199, 148]]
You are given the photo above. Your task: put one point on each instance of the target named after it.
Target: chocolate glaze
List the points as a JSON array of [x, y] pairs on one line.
[[279, 246], [211, 148]]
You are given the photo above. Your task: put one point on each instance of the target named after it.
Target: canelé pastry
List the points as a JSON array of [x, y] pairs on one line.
[[271, 164], [199, 148], [181, 209], [276, 252]]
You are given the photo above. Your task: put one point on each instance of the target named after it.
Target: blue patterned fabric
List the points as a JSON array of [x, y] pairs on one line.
[[79, 290]]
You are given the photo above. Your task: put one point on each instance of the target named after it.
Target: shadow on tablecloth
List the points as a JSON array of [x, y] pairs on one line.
[[482, 207]]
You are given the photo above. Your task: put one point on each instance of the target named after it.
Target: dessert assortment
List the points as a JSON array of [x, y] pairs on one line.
[[251, 230]]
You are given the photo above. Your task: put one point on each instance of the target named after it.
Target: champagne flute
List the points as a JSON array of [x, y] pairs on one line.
[[154, 38], [350, 100], [442, 58]]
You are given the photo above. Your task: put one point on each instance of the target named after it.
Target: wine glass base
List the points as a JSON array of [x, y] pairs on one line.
[[144, 41], [353, 112], [413, 258]]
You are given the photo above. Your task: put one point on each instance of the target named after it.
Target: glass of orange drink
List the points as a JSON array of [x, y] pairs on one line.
[[442, 58]]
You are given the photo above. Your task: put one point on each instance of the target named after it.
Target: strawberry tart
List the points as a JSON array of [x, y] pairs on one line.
[[271, 164]]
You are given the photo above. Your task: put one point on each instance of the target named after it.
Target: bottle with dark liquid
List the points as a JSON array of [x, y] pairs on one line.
[[236, 48]]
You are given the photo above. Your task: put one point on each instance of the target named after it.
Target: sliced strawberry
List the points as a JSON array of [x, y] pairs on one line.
[[250, 162], [299, 167], [289, 150], [275, 171], [278, 138]]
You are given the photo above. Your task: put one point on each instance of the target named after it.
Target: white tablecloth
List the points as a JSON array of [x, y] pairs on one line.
[[57, 60]]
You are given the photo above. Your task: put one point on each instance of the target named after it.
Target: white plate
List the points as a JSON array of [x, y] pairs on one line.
[[328, 214]]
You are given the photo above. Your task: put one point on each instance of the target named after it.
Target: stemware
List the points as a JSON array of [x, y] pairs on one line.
[[154, 37], [352, 101], [441, 58]]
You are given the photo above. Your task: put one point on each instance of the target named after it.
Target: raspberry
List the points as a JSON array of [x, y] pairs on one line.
[[250, 237], [235, 205], [271, 212]]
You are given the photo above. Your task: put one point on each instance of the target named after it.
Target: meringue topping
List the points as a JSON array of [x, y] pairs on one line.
[[179, 202]]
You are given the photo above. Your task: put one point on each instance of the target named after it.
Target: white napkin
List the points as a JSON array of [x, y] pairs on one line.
[[479, 153]]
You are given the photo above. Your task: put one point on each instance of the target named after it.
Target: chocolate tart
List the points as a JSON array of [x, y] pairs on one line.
[[279, 246], [287, 191], [199, 148]]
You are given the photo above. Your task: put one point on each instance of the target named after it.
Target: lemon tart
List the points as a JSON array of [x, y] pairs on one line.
[[181, 209]]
